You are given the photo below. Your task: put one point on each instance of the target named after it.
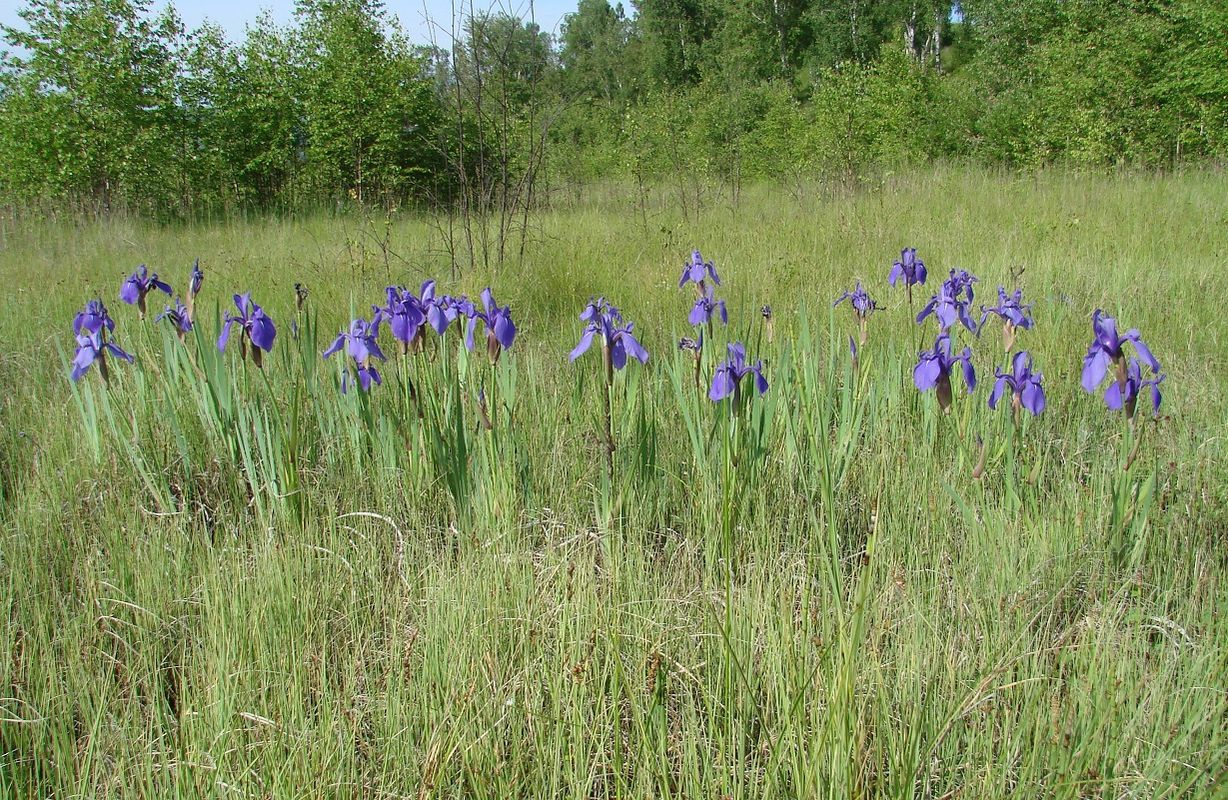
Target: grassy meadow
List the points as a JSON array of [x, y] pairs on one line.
[[223, 581]]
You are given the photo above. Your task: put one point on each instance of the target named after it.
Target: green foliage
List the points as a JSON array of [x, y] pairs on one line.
[[108, 105], [1100, 83], [111, 104], [87, 97], [367, 102], [594, 52]]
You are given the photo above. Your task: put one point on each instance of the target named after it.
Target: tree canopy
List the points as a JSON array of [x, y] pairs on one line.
[[107, 102]]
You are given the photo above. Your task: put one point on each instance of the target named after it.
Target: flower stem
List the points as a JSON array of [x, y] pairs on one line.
[[609, 415]]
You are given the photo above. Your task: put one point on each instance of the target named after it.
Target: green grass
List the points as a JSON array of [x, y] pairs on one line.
[[221, 582]]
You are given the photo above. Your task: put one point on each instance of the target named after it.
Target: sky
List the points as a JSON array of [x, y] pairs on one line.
[[233, 15]]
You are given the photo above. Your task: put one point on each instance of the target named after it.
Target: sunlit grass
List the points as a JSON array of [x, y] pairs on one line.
[[221, 580]]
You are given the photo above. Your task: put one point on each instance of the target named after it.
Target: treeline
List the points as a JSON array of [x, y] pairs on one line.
[[106, 104]]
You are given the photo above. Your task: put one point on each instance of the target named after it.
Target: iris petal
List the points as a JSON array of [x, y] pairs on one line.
[[263, 332], [1034, 398], [925, 374], [1143, 350], [969, 370], [118, 353], [618, 353], [585, 341], [722, 385], [634, 348], [225, 334], [505, 329], [1095, 366], [333, 348], [473, 322], [1112, 396], [130, 292], [699, 313], [996, 394]]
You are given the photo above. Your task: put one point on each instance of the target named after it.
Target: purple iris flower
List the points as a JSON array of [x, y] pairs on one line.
[[728, 377], [696, 270], [1014, 313], [91, 326], [1026, 391], [863, 306], [178, 316], [500, 330], [366, 376], [443, 310], [196, 280], [961, 280], [953, 301], [360, 344], [139, 284], [909, 267], [255, 324], [92, 319], [618, 341], [705, 307], [1125, 394], [1106, 349], [934, 367], [406, 315], [359, 341], [693, 346], [1010, 308], [861, 302]]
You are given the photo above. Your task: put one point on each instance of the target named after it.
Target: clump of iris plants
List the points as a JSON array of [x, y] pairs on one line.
[[1027, 393], [909, 269], [617, 338], [863, 305], [360, 344], [1107, 350], [92, 326], [727, 380], [707, 306], [617, 343], [500, 330], [953, 302], [255, 326], [1013, 312], [178, 316], [933, 370], [138, 285]]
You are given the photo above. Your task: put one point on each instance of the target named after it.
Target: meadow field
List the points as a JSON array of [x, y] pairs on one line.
[[220, 580]]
